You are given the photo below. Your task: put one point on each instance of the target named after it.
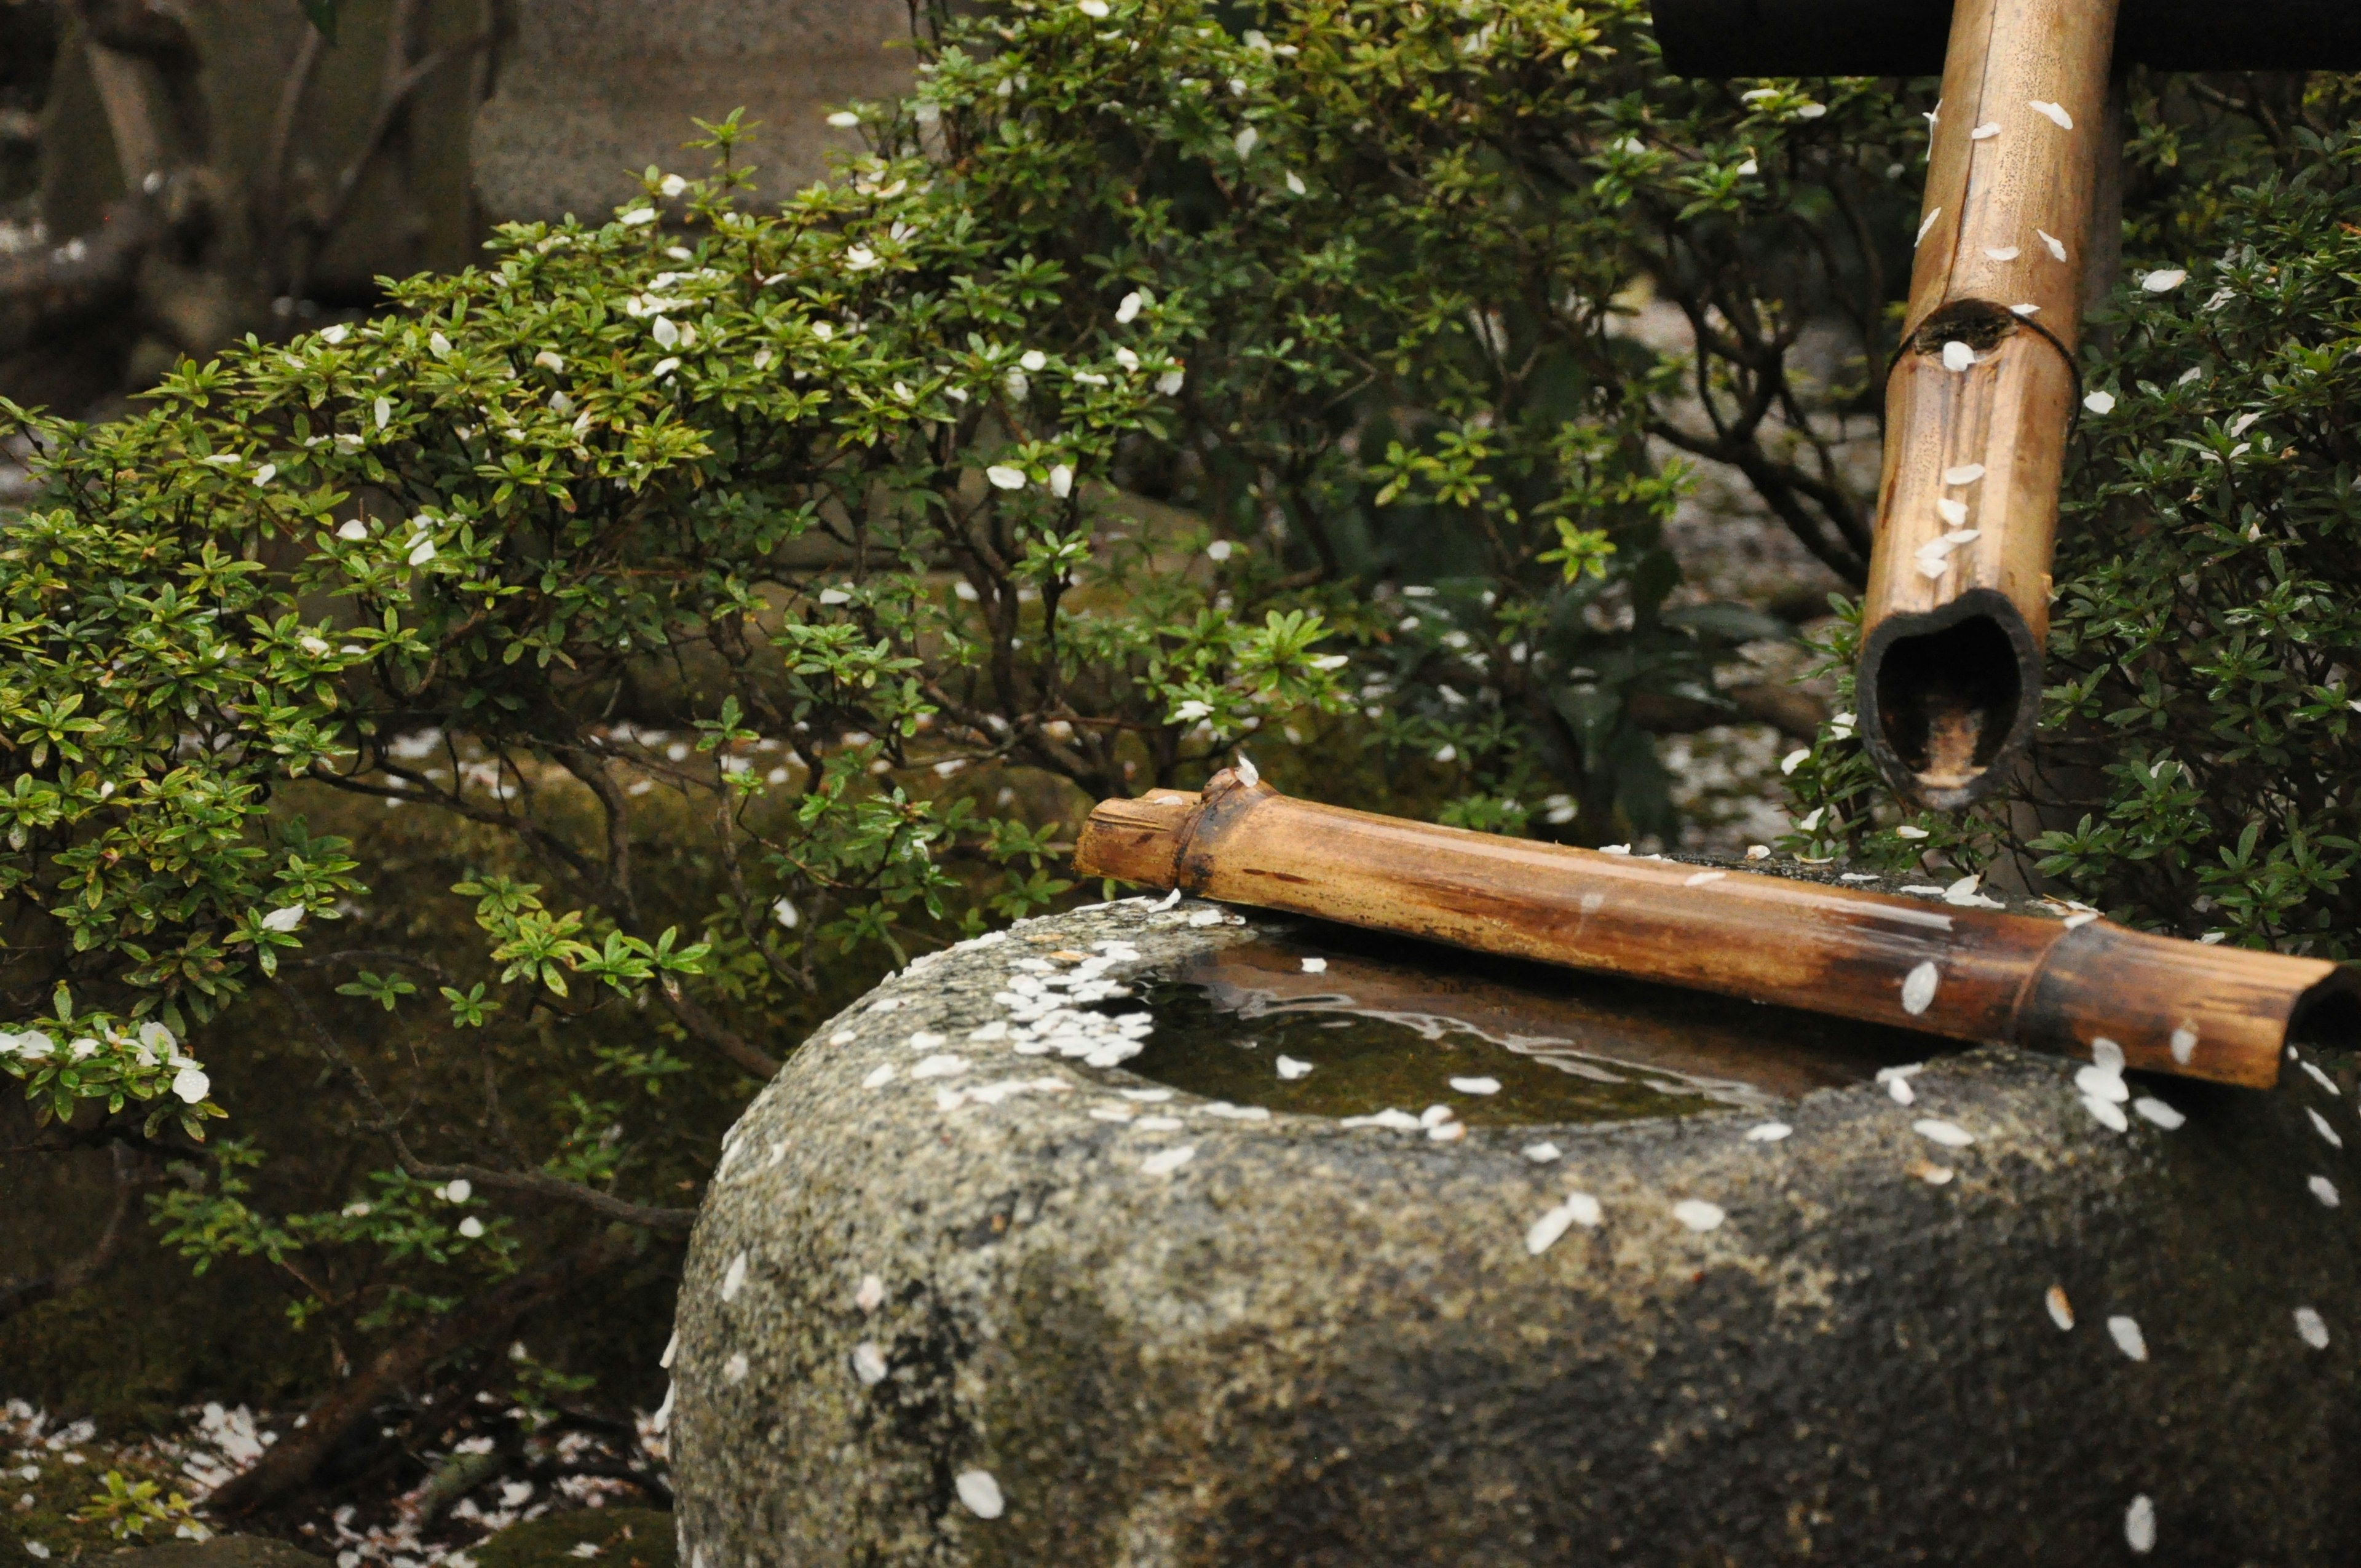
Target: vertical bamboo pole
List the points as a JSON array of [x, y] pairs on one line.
[[1980, 396]]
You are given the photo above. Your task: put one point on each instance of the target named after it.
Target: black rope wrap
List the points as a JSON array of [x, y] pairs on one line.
[[2073, 369]]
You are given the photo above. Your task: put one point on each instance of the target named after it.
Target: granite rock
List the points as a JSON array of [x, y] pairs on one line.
[[922, 1326]]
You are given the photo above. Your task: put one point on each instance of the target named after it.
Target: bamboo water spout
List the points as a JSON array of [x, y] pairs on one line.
[[1984, 975], [1981, 394]]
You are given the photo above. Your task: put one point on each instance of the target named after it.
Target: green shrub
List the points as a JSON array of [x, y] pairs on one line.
[[1403, 246], [680, 569]]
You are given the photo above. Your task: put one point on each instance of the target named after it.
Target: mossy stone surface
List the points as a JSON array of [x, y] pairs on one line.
[[626, 1538], [221, 1551], [1315, 1345]]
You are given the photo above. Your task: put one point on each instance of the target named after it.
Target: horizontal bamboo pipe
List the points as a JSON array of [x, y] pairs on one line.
[[1980, 395], [2225, 1013]]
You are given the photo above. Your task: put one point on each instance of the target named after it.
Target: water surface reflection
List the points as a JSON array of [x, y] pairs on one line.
[[1385, 1022]]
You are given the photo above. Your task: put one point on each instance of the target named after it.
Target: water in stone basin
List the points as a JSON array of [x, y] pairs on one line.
[[1329, 1021]]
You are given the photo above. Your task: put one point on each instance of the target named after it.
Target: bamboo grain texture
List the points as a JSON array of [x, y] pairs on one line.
[[2006, 235], [1982, 975]]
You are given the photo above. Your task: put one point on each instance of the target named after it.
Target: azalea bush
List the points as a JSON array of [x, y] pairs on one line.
[[680, 565], [2201, 730], [1403, 249]]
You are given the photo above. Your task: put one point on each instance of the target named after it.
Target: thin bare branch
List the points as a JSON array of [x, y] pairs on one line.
[[537, 1184]]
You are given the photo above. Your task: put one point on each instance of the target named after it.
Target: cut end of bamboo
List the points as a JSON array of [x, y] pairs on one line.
[[1949, 698], [2329, 1014]]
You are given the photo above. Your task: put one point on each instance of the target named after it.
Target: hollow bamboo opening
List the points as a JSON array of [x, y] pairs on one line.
[[1948, 695]]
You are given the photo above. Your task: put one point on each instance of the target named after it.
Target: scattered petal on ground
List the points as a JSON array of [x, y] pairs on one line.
[[980, 1493], [1166, 1163], [1699, 1215], [2108, 1113], [2139, 1525], [869, 1364]]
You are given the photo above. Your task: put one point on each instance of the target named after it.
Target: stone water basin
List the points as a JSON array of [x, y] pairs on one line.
[[1693, 1284]]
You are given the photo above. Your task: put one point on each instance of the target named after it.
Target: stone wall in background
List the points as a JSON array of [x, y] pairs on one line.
[[589, 92], [219, 97], [287, 174]]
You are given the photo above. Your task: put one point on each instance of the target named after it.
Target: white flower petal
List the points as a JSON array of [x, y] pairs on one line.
[[2139, 1525], [1950, 1135], [869, 1365], [1918, 988], [977, 1488], [1699, 1215], [2100, 1084], [1168, 1161], [2107, 1113]]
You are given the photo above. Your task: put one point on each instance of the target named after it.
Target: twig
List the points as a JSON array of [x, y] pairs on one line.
[[299, 1453], [715, 1033], [535, 1183], [271, 179]]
